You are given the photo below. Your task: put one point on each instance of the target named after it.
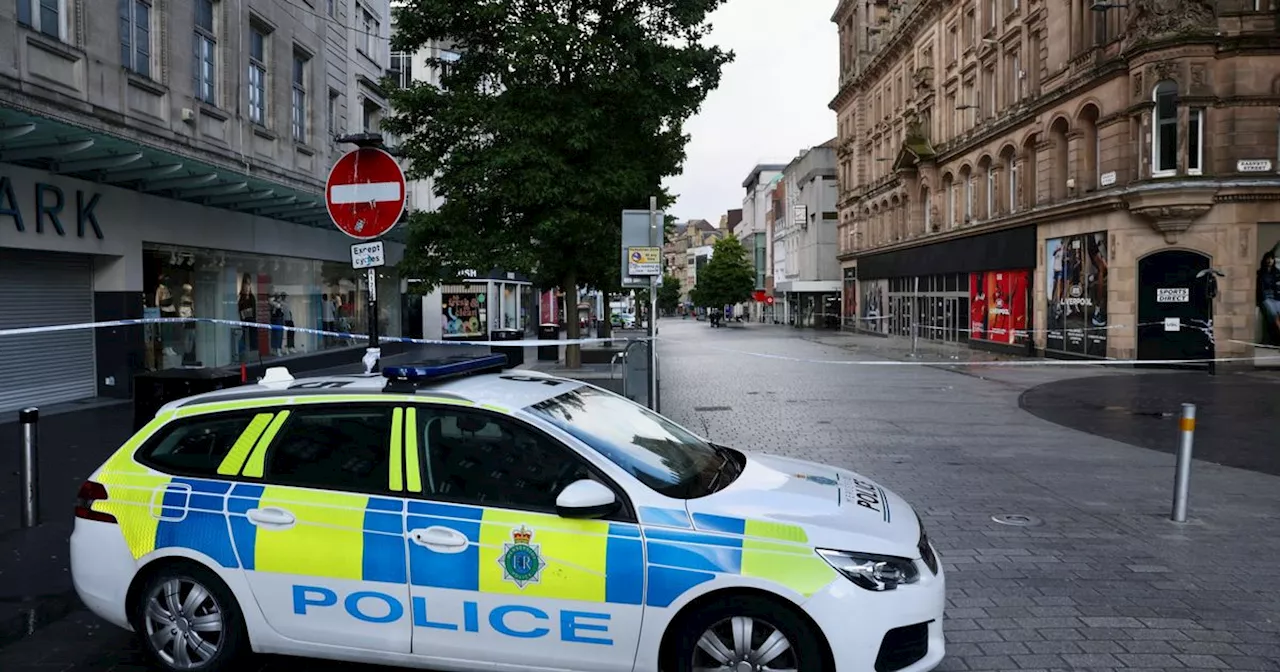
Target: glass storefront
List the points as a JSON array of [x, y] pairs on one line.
[[202, 283]]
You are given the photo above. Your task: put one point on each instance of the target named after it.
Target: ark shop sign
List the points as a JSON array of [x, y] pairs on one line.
[[50, 207]]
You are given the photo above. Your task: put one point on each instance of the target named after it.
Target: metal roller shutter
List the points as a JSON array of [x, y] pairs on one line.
[[40, 289]]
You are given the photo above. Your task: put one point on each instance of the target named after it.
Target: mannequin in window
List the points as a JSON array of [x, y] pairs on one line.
[[277, 321], [164, 302], [187, 309], [287, 318], [248, 310]]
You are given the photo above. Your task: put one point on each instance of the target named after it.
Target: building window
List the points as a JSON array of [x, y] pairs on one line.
[[951, 206], [368, 39], [968, 199], [1015, 78], [300, 61], [971, 28], [257, 76], [45, 16], [1013, 185], [953, 44], [927, 203], [991, 192], [402, 66], [206, 53], [1195, 140], [332, 115], [333, 8], [135, 36], [992, 8], [1164, 138]]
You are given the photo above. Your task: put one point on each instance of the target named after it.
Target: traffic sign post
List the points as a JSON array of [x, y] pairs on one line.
[[365, 196]]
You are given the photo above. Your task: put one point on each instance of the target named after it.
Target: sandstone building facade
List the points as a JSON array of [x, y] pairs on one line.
[[1061, 177]]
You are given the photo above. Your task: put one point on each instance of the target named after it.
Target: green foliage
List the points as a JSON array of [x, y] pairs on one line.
[[727, 278], [669, 294], [559, 115]]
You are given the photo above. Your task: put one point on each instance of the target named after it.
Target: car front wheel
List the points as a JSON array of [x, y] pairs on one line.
[[747, 633], [188, 621]]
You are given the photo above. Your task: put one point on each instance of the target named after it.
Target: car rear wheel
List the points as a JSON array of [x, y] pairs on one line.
[[745, 633], [188, 620]]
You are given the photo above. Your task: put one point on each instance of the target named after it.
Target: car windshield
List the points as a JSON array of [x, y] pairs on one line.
[[655, 450]]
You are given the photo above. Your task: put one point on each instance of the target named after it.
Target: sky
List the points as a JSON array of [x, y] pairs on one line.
[[771, 103]]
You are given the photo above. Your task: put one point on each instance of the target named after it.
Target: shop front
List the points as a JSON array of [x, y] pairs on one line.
[[811, 304], [975, 290], [473, 307], [78, 252]]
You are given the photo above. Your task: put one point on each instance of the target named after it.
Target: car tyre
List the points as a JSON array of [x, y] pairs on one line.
[[187, 620], [746, 628]]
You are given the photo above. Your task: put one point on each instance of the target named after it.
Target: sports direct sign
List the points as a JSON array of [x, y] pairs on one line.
[[365, 193]]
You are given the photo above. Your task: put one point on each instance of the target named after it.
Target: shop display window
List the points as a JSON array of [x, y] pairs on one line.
[[258, 289]]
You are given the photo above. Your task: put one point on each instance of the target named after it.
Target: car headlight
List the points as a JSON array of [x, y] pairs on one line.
[[872, 572]]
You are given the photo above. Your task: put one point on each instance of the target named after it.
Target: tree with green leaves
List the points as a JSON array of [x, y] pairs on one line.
[[558, 115], [669, 294], [728, 278]]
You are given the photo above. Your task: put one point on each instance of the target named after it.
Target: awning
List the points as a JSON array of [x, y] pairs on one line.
[[97, 155]]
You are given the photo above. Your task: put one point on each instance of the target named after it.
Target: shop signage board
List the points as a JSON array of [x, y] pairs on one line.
[[644, 261], [365, 193], [1173, 295], [368, 255]]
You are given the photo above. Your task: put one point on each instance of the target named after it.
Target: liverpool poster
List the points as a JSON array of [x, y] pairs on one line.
[[1076, 284]]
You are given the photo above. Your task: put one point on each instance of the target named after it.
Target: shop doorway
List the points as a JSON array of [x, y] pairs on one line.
[[1173, 311]]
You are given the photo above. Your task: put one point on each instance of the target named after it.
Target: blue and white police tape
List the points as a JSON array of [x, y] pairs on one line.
[[24, 331], [996, 362]]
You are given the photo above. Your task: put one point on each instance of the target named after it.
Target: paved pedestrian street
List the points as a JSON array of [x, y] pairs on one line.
[[1100, 580]]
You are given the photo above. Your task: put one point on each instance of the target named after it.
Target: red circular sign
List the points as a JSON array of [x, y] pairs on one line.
[[768, 300], [365, 193]]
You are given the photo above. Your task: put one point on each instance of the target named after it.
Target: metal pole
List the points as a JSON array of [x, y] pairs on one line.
[[915, 306], [1182, 478], [373, 313], [655, 235], [29, 467]]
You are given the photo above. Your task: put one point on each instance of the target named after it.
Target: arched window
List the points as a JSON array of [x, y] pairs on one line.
[[1164, 135], [926, 203]]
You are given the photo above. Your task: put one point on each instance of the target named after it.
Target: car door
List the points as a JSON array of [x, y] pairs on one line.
[[496, 577], [320, 532]]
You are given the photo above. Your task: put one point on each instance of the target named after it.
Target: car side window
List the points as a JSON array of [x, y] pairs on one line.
[[477, 458], [335, 448], [195, 447]]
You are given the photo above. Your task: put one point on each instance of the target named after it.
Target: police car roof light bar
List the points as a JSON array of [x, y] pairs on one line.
[[408, 378]]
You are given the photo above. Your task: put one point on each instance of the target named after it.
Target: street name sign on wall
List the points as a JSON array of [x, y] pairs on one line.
[[365, 193], [368, 255]]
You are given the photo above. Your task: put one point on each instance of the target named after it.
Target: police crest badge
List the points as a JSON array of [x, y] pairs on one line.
[[520, 560]]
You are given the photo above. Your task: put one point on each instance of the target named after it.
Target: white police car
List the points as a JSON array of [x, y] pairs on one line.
[[456, 517]]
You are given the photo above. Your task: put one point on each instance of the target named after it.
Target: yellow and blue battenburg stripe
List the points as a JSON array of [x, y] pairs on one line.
[[366, 537]]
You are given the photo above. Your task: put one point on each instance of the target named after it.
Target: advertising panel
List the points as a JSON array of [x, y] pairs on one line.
[[1076, 283], [1267, 285], [874, 312], [464, 314], [998, 306]]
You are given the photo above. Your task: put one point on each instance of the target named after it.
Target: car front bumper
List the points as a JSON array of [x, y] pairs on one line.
[[893, 631]]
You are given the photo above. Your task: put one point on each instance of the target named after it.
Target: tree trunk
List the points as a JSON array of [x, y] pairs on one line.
[[572, 353]]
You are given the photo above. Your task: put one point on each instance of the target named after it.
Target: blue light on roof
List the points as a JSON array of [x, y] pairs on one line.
[[447, 367]]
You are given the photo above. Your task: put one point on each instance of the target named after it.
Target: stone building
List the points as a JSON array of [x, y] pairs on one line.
[[1054, 177]]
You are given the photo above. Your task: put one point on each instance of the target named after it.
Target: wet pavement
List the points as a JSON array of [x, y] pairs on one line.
[[1237, 414], [1102, 581]]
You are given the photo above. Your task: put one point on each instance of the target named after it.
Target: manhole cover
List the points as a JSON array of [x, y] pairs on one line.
[[1017, 520]]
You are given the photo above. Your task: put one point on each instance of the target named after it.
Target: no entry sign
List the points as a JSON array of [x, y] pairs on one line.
[[365, 193]]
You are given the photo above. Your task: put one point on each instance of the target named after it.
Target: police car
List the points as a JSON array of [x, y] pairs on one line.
[[459, 515]]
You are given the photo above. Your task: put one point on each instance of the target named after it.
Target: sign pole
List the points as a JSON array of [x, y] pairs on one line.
[[373, 314], [654, 237]]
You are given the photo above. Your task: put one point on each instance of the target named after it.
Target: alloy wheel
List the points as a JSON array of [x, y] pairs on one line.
[[744, 644], [184, 623]]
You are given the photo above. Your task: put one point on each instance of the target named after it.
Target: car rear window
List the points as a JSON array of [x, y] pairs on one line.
[[194, 447]]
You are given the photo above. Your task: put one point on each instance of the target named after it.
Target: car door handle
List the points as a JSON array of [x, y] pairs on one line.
[[442, 539], [271, 517]]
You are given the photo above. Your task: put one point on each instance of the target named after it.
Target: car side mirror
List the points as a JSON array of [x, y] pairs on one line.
[[586, 499]]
